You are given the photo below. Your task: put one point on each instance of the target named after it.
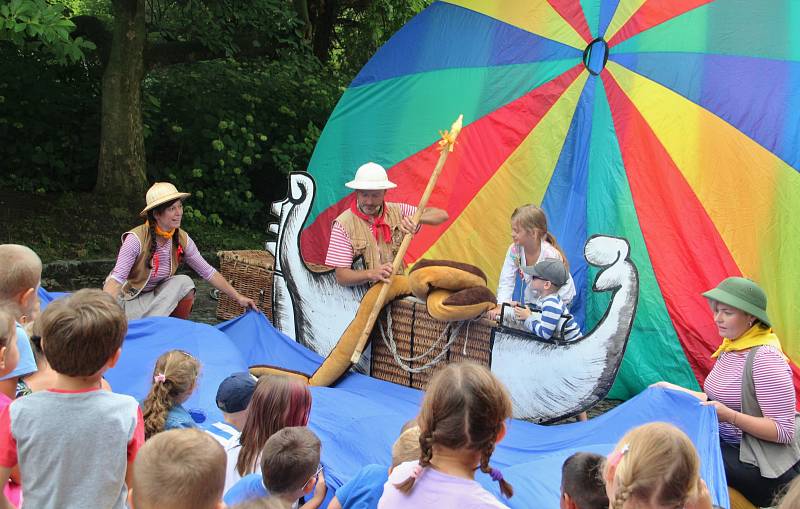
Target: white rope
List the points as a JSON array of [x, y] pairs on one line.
[[401, 361]]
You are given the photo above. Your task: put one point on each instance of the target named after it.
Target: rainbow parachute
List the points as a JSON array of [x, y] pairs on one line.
[[673, 123]]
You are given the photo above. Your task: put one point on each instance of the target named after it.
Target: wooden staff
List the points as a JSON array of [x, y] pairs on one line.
[[446, 145]]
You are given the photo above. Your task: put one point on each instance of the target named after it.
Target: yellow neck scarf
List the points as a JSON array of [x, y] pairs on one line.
[[162, 233], [755, 336]]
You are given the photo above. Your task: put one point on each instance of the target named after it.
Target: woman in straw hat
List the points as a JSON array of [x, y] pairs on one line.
[[144, 277], [751, 389]]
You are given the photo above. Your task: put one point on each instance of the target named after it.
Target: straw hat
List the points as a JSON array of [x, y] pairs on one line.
[[742, 294], [371, 176], [160, 193]]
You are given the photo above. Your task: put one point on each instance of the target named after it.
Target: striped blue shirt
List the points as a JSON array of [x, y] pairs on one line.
[[551, 320]]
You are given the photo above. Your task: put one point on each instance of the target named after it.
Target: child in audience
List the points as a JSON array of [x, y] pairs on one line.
[[532, 243], [582, 484], [290, 469], [547, 277], [20, 275], [8, 361], [462, 418], [655, 466], [74, 442], [790, 499], [179, 469], [278, 401], [233, 398], [174, 380], [365, 489]]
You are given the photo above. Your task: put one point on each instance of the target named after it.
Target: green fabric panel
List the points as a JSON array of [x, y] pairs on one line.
[[728, 27], [388, 121], [591, 10], [654, 352]]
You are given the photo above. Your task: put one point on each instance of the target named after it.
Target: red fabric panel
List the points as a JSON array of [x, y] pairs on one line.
[[572, 12], [652, 13]]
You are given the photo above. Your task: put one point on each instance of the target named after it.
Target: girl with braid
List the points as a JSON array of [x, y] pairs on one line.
[[144, 280], [655, 466], [174, 380], [462, 418]]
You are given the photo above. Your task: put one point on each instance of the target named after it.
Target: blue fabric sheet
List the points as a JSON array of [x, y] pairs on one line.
[[359, 418]]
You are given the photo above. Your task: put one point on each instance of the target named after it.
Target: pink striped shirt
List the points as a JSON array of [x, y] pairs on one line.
[[131, 248], [772, 377], [340, 248]]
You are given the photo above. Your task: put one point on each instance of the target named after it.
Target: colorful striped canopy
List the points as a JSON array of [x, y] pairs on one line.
[[672, 123]]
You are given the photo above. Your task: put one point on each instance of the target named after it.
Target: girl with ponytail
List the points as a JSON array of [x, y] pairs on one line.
[[462, 418], [174, 380], [655, 466], [532, 243]]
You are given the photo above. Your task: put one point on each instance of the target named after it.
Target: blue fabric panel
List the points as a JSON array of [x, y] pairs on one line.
[[359, 418], [445, 36], [565, 198], [607, 10], [754, 95]]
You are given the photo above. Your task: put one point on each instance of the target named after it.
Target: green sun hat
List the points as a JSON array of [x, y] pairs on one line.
[[743, 294]]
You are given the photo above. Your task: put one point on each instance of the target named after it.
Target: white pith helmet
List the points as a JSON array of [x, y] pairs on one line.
[[370, 176]]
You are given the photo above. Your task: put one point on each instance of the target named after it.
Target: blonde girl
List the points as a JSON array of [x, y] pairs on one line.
[[533, 243], [174, 380], [655, 466], [462, 418]]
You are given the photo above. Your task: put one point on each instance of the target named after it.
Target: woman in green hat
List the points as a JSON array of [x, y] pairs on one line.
[[751, 388]]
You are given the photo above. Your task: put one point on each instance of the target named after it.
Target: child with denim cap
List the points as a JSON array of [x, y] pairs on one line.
[[20, 275], [179, 469], [547, 277], [233, 400], [74, 443], [290, 469]]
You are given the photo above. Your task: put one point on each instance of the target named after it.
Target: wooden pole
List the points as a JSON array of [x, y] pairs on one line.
[[446, 146]]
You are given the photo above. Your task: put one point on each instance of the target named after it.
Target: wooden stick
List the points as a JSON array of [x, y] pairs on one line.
[[446, 146]]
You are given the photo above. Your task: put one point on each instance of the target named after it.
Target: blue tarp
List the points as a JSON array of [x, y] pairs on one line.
[[359, 418]]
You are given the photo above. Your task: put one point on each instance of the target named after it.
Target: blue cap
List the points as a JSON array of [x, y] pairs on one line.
[[234, 392]]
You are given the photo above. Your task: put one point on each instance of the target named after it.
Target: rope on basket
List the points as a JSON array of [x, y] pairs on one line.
[[401, 361]]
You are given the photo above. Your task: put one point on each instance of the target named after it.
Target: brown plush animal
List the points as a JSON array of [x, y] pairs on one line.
[[452, 291]]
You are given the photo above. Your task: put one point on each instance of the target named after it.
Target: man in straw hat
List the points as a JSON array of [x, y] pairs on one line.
[[372, 228], [144, 279]]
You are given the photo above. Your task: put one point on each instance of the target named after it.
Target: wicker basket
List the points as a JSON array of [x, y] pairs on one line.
[[250, 272], [414, 332]]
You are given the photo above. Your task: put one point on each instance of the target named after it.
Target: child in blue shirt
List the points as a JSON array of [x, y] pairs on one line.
[[174, 380], [547, 277]]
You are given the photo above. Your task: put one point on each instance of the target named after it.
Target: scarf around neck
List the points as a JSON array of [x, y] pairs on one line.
[[380, 228], [755, 336], [162, 233]]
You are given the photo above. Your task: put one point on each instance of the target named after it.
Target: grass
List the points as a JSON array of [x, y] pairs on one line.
[[79, 226]]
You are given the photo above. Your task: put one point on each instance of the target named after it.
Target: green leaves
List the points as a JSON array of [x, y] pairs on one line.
[[41, 26]]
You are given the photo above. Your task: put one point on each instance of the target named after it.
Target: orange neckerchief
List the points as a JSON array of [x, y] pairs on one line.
[[160, 232]]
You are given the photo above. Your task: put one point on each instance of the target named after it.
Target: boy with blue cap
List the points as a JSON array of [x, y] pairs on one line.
[[547, 277]]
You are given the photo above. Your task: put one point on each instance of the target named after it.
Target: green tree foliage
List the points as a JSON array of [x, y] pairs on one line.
[[41, 25]]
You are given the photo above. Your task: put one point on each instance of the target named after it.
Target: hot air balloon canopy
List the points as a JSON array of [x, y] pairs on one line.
[[671, 123]]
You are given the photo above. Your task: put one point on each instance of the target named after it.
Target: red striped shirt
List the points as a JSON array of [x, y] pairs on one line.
[[340, 248], [131, 247], [772, 377]]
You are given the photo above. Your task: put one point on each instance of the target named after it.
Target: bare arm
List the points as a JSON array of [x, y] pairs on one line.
[[334, 503], [432, 215], [319, 494], [222, 284], [760, 427], [5, 473], [112, 287], [702, 396], [346, 276]]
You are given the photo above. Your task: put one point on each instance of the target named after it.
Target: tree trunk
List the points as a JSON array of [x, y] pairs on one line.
[[121, 172]]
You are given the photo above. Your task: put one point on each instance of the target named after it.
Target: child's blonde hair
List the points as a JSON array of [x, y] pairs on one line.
[[533, 219], [179, 469], [406, 447], [20, 271], [8, 327], [174, 376], [655, 464], [790, 499], [465, 407]]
